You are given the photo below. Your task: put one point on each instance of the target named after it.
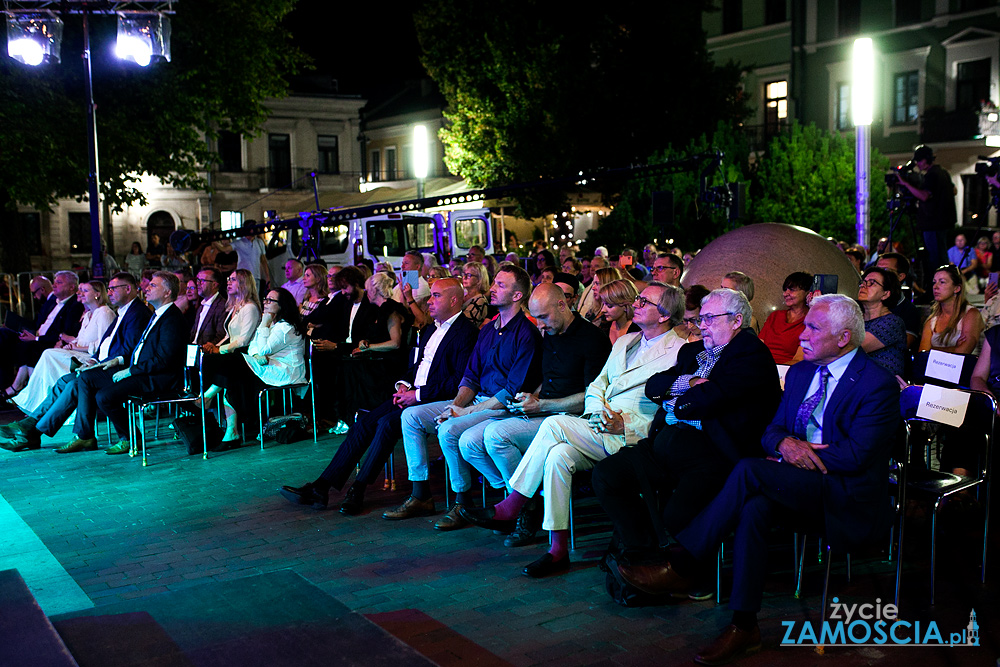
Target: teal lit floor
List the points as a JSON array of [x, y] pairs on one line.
[[91, 530]]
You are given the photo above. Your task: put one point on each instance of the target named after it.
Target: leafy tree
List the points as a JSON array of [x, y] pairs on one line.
[[228, 56], [541, 89]]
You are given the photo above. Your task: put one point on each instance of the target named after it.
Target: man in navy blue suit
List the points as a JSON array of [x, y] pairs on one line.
[[117, 345], [155, 366], [439, 363], [829, 447]]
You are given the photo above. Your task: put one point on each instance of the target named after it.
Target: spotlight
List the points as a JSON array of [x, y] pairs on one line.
[[34, 37], [143, 37]]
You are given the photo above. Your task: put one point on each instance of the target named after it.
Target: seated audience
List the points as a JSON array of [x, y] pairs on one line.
[[903, 306], [688, 329], [295, 279], [667, 268], [591, 301], [476, 284], [741, 282], [954, 325], [616, 414], [210, 319], [441, 356], [964, 258], [618, 299], [316, 290], [885, 333], [782, 327], [827, 474]]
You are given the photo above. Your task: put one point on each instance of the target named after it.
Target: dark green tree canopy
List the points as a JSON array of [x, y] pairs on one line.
[[540, 88]]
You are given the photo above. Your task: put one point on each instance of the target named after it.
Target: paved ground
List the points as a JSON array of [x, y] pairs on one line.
[[123, 532]]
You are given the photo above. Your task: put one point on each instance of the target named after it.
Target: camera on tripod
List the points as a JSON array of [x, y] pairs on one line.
[[904, 170]]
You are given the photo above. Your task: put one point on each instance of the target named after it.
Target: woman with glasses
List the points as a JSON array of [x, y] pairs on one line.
[[885, 333], [274, 358], [476, 283], [782, 327], [35, 379], [688, 329], [954, 325], [618, 299]]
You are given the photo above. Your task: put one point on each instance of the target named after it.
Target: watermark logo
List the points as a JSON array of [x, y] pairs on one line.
[[875, 625]]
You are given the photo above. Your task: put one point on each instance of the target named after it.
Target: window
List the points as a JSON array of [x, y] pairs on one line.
[[375, 168], [843, 117], [775, 106], [390, 164], [279, 160], [333, 239], [775, 11], [230, 152], [973, 85], [79, 232], [848, 17], [31, 231], [907, 12], [470, 232], [329, 154], [732, 16], [905, 100], [420, 234], [231, 219]]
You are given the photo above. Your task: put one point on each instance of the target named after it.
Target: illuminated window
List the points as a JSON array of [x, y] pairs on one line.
[[775, 106], [905, 107], [232, 219]]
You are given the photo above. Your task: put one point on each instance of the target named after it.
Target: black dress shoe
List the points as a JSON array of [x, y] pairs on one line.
[[731, 644], [484, 519], [306, 494], [545, 566], [353, 501]]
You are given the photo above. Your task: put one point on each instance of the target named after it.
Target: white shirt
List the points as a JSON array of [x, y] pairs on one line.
[[350, 322], [105, 349], [249, 253], [424, 369], [297, 289], [837, 369], [42, 330]]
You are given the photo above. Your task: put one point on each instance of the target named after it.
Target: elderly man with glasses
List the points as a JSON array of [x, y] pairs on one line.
[[616, 414], [667, 268], [713, 408]]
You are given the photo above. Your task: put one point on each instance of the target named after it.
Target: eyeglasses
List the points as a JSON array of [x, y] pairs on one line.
[[870, 282], [709, 318], [37, 291], [691, 320], [268, 299], [112, 288], [205, 280], [641, 301]]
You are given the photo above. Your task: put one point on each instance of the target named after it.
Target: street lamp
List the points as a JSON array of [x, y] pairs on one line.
[[420, 157], [34, 37], [862, 107]]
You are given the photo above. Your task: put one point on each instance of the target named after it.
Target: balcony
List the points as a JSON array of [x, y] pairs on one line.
[[295, 179], [939, 126]]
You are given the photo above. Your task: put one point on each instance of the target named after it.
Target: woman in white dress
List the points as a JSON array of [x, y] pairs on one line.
[[55, 362]]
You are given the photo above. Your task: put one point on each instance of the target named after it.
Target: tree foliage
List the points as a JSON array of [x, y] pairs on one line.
[[228, 56], [540, 88], [804, 177]]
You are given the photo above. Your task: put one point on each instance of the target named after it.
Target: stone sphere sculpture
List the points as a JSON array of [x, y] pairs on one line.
[[768, 252]]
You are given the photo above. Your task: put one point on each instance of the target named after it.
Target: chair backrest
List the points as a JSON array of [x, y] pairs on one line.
[[192, 364], [918, 371], [980, 418]]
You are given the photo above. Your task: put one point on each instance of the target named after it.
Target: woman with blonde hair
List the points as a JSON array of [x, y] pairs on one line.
[[34, 384], [242, 320], [314, 280], [954, 325], [618, 299], [601, 277], [476, 282]]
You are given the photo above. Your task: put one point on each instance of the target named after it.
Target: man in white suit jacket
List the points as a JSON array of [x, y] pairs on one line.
[[616, 414]]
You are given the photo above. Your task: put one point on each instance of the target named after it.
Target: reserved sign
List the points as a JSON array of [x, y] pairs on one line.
[[944, 366], [945, 406]]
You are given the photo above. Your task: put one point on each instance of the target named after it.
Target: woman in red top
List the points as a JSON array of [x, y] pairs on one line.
[[781, 330]]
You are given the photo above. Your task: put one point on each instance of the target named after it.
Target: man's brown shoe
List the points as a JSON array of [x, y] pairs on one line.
[[731, 644], [120, 447], [79, 445], [410, 509], [655, 579], [453, 520]]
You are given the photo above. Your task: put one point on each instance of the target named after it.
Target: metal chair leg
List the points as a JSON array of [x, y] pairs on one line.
[[802, 567], [718, 572]]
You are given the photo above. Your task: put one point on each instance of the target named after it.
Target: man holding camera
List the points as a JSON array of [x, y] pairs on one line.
[[935, 196]]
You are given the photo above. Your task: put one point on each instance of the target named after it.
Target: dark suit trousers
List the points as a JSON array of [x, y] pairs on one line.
[[59, 405], [377, 432], [681, 465], [757, 494], [89, 385]]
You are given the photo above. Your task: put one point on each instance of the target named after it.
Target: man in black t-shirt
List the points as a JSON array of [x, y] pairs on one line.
[[935, 195], [573, 353]]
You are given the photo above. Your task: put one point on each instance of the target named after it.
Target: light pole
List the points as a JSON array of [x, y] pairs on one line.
[[34, 36], [420, 158], [862, 104]]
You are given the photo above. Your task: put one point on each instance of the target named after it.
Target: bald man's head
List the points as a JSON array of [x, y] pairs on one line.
[[447, 297], [548, 305]]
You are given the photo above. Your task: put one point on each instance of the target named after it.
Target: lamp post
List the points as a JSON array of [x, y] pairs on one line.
[[34, 36], [862, 103], [420, 157]]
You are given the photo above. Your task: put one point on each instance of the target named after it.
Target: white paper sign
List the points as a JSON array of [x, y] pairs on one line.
[[782, 372], [945, 406], [944, 366]]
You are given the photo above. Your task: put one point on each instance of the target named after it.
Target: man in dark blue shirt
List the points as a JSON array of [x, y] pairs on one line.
[[573, 353], [505, 361]]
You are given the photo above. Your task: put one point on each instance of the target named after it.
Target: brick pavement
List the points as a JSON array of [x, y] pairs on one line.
[[124, 532]]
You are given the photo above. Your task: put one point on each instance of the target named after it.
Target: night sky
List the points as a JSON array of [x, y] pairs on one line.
[[365, 46]]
